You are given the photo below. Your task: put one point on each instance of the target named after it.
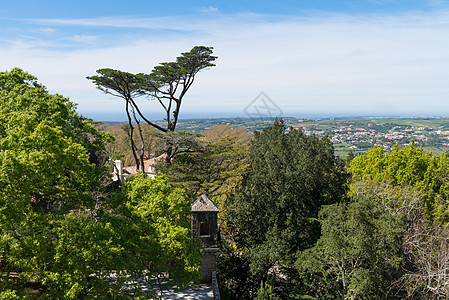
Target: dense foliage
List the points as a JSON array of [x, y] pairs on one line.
[[410, 166], [63, 233], [359, 250], [293, 230], [212, 168], [273, 216], [160, 215], [415, 183], [295, 224]]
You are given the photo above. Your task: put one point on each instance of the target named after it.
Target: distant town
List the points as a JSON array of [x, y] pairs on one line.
[[352, 134]]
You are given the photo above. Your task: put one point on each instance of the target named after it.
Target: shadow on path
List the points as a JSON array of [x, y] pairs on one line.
[[200, 292]]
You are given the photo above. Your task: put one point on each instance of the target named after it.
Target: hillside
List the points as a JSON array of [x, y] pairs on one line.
[[351, 134]]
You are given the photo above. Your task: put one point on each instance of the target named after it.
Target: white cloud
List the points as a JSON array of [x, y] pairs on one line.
[[209, 9], [325, 63], [47, 30], [174, 23], [88, 39]]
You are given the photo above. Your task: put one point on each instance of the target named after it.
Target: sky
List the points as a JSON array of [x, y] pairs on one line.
[[300, 58]]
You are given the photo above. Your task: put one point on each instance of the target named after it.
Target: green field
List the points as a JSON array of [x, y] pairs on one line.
[[360, 134]]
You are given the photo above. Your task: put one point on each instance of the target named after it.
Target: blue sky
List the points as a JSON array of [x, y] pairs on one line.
[[311, 58]]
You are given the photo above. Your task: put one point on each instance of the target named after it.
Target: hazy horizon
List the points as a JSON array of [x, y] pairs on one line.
[[121, 117], [333, 58]]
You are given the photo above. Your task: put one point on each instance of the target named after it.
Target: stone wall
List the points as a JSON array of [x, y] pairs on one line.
[[215, 286], [209, 264]]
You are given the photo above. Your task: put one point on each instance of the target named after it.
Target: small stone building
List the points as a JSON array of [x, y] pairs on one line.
[[205, 227]]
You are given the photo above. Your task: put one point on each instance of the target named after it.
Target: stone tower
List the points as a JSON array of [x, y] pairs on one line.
[[205, 227]]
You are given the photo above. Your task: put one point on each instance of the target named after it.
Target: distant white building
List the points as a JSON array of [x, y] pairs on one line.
[[120, 172]]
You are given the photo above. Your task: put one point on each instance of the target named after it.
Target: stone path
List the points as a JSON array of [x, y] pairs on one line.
[[202, 292], [199, 292]]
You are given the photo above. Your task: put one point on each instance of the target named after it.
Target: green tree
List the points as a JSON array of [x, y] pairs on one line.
[[360, 249], [127, 86], [168, 83], [163, 214], [47, 150], [218, 132], [234, 276], [265, 293], [61, 235], [48, 154], [211, 163], [410, 166], [423, 241], [212, 168], [290, 177], [412, 182], [120, 147]]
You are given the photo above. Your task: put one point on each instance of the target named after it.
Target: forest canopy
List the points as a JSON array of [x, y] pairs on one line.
[[297, 222], [63, 230]]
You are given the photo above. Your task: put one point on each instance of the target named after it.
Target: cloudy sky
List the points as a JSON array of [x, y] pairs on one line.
[[310, 57]]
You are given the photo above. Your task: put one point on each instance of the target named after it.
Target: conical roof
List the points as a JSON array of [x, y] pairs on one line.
[[203, 204]]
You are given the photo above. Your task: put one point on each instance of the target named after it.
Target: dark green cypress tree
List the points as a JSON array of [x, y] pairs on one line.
[[291, 176]]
